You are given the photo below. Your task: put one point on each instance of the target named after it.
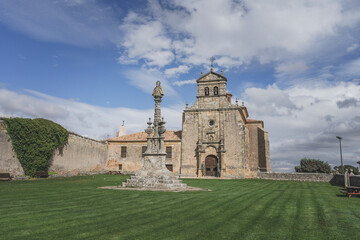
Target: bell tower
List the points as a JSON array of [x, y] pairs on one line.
[[211, 90]]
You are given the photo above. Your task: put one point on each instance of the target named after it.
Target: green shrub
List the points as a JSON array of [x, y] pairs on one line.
[[34, 141], [348, 167], [313, 166]]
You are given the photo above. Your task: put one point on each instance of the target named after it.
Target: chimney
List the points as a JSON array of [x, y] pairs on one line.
[[228, 97], [122, 130]]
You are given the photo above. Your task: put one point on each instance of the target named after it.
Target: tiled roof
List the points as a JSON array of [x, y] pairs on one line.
[[141, 136]]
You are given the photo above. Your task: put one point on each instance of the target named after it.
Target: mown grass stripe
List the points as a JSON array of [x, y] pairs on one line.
[[73, 208]]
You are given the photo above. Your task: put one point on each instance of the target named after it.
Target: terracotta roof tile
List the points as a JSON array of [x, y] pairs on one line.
[[141, 136]]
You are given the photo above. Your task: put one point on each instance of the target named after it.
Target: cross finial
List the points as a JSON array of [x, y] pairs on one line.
[[212, 59]]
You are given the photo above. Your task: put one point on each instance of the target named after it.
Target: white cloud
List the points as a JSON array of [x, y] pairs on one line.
[[75, 2], [189, 32], [177, 70], [352, 47], [180, 83], [85, 119], [145, 39], [297, 67], [272, 100], [240, 31], [145, 79], [303, 121]]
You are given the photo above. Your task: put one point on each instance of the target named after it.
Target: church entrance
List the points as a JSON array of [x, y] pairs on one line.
[[211, 166]]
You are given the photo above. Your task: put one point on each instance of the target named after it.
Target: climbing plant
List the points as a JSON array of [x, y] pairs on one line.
[[34, 141]]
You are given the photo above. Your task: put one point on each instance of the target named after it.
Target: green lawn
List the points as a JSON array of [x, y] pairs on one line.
[[73, 208]]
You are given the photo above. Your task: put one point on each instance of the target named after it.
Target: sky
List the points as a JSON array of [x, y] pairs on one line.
[[89, 65]]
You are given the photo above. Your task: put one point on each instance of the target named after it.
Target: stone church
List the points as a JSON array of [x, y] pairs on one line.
[[217, 139]]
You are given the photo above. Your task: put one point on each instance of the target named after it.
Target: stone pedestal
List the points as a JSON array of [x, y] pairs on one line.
[[154, 174]]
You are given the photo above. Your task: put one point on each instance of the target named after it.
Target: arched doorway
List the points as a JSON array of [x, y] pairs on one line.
[[211, 166]]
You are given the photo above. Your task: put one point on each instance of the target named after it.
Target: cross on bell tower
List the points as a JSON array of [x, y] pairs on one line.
[[212, 60]]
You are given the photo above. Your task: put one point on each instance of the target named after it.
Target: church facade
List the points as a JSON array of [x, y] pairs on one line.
[[217, 139]]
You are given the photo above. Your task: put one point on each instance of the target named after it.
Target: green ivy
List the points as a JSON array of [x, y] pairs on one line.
[[34, 141]]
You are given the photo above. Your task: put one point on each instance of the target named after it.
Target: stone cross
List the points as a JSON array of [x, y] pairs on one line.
[[212, 59]]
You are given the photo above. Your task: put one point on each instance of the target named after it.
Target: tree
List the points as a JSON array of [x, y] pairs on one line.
[[348, 167], [310, 165]]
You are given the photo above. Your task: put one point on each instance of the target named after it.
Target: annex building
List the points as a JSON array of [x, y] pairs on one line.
[[217, 138]]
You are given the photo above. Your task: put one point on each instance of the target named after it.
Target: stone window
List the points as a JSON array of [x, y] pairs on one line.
[[168, 152], [143, 150], [216, 90], [206, 91], [211, 122], [123, 151], [120, 167]]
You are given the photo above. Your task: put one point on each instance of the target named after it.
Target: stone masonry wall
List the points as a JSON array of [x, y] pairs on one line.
[[253, 146], [134, 159], [190, 135], [9, 163], [311, 177], [80, 155], [236, 162]]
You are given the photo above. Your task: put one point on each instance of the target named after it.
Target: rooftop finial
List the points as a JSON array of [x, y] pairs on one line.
[[212, 59], [237, 102], [222, 73], [243, 103], [123, 123]]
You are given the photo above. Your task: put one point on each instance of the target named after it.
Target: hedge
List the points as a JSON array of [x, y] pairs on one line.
[[313, 166]]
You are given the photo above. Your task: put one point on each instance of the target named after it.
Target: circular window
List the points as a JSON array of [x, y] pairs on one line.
[[211, 122]]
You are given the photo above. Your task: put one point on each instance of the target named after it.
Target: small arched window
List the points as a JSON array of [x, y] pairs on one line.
[[216, 90], [206, 91]]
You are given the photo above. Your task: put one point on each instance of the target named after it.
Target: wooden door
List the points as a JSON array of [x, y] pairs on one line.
[[211, 166]]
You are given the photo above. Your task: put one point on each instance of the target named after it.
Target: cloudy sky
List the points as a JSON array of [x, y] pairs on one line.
[[89, 65]]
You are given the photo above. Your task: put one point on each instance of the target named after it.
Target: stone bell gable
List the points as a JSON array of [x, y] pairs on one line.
[[211, 91], [218, 139]]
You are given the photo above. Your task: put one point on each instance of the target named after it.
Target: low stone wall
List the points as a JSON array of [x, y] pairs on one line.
[[80, 155], [339, 180], [311, 177], [355, 180]]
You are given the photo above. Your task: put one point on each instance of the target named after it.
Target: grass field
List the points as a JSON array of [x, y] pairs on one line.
[[73, 208]]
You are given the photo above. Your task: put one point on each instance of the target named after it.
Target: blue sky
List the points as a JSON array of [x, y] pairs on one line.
[[89, 65]]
